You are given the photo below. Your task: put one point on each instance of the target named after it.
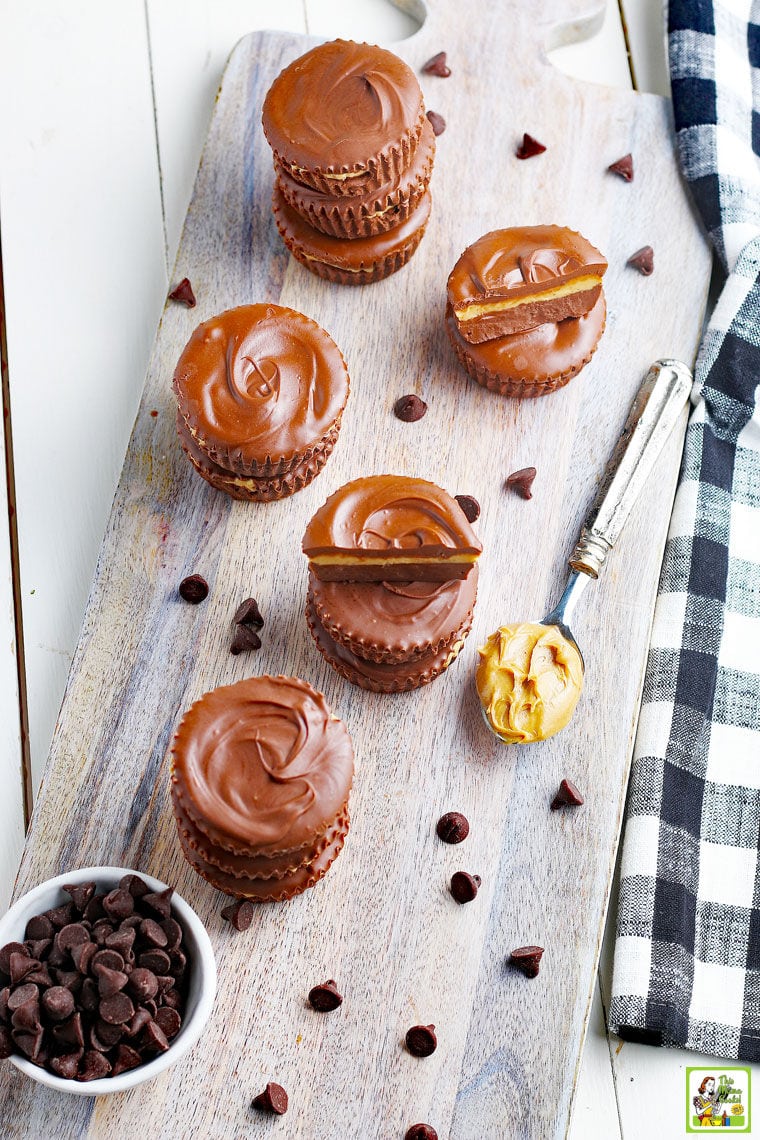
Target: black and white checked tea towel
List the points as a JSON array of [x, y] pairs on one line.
[[687, 952]]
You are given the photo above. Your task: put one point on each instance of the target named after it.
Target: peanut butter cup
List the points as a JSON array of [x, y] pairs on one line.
[[390, 528], [344, 118], [261, 389], [261, 772]]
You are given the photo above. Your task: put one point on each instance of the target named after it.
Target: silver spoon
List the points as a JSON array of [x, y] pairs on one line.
[[656, 409]]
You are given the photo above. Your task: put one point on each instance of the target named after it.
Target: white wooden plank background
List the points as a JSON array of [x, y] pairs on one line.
[[95, 99]]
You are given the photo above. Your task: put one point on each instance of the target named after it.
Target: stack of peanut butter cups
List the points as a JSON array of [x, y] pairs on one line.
[[353, 156], [261, 773]]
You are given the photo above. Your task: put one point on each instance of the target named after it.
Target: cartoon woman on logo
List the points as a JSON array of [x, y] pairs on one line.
[[706, 1102]]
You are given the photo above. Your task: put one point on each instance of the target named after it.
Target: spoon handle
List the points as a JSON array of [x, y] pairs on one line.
[[654, 413]]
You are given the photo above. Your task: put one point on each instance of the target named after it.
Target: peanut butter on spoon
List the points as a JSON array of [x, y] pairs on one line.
[[530, 674]]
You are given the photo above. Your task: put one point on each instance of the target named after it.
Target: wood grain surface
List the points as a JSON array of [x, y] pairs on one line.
[[382, 922]]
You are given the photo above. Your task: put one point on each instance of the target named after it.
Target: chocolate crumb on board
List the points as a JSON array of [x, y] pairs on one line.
[[272, 1099], [452, 827], [437, 65], [470, 506], [529, 147], [184, 293], [248, 613], [409, 408], [521, 482], [464, 887], [527, 959], [239, 914], [193, 589], [421, 1040], [421, 1132], [325, 997], [437, 122], [245, 638], [623, 167]]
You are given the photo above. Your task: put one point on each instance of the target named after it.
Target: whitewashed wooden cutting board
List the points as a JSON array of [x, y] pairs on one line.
[[382, 922]]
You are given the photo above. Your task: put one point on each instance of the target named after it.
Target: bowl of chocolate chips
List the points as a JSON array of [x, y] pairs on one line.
[[107, 977]]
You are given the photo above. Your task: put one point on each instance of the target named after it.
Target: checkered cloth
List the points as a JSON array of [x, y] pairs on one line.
[[687, 954]]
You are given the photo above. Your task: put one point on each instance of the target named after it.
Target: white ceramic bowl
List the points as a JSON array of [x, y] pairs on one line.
[[201, 976]]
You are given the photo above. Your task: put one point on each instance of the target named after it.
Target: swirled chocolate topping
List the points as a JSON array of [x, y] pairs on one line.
[[338, 105], [514, 279], [264, 762], [260, 383], [390, 528]]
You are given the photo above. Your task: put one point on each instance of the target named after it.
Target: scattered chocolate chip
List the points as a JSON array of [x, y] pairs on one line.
[[325, 998], [93, 1066], [421, 1040], [437, 122], [643, 260], [248, 613], [420, 1132], [529, 147], [193, 589], [521, 482], [437, 65], [184, 293], [527, 959], [567, 796], [623, 167], [464, 887], [126, 1058], [272, 1099], [470, 506], [66, 1066], [80, 894], [57, 1003], [168, 1021], [245, 639], [409, 408], [39, 927], [239, 914], [452, 827]]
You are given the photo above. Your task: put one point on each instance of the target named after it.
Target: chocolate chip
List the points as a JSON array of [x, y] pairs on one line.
[[107, 1035], [272, 1099], [94, 909], [70, 979], [164, 982], [93, 1066], [39, 927], [409, 408], [248, 613], [101, 931], [72, 935], [118, 904], [623, 167], [420, 1132], [20, 966], [421, 1040], [239, 914], [116, 1009], [138, 1022], [88, 996], [80, 894], [173, 932], [527, 959], [160, 902], [61, 916], [58, 1003], [154, 1039], [643, 260], [70, 1032], [122, 941], [178, 962], [38, 947], [152, 933], [244, 640], [27, 1016], [107, 959], [437, 122], [142, 983], [470, 506], [21, 996], [29, 1043], [567, 796], [5, 955], [325, 998], [135, 885], [172, 999], [464, 887], [184, 293], [521, 482], [169, 1021], [6, 1043], [110, 982], [40, 977], [67, 1066], [157, 961], [452, 827], [437, 65], [126, 1058], [193, 589], [529, 147], [5, 993]]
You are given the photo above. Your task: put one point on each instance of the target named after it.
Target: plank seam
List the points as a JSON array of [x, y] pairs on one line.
[[25, 758], [158, 143], [627, 41]]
